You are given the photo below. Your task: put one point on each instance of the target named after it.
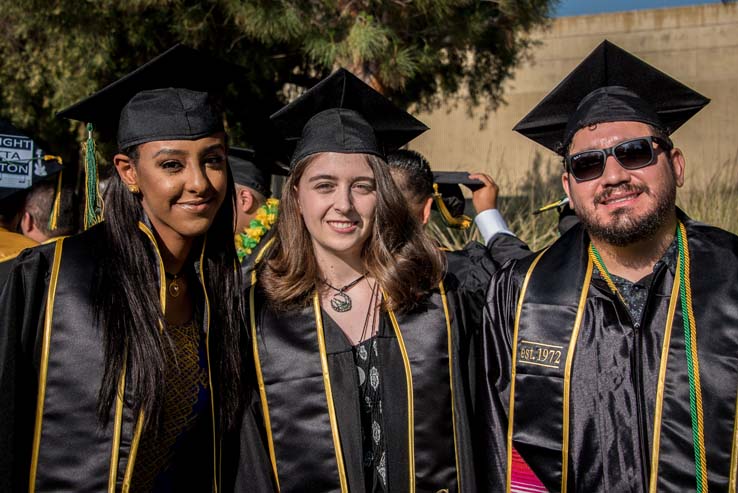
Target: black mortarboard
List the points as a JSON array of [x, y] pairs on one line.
[[251, 170], [343, 114], [22, 162], [456, 178], [167, 98], [449, 199], [609, 85]]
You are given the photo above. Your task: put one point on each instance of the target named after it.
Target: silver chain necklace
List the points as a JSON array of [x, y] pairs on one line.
[[341, 302]]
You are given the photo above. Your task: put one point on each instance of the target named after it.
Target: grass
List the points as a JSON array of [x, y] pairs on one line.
[[713, 201]]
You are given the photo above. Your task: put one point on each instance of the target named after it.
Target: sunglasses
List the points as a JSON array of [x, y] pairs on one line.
[[630, 154]]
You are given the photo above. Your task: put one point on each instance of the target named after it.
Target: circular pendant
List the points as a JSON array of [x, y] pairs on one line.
[[173, 288], [341, 302]]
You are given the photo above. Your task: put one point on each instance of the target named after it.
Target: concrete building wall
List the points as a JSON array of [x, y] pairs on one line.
[[697, 45]]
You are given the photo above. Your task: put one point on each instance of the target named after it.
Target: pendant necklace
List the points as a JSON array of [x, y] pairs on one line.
[[341, 302], [173, 284]]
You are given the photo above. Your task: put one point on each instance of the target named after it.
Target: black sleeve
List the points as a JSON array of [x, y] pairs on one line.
[[503, 247], [467, 279], [474, 267], [493, 380], [22, 305]]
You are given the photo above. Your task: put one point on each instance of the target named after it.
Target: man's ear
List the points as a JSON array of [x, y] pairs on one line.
[[565, 177], [27, 224], [426, 211], [677, 165], [245, 199], [126, 170]]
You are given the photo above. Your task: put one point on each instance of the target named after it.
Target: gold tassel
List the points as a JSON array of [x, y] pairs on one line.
[[461, 222], [56, 207], [552, 205]]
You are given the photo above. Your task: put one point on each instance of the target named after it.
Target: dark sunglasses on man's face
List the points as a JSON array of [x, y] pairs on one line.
[[630, 154]]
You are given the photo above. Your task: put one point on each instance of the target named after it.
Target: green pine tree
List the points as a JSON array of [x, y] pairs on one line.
[[417, 52]]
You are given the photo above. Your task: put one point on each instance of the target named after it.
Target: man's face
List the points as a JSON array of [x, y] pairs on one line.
[[623, 206]]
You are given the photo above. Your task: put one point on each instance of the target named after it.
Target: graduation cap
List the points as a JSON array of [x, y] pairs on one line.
[[23, 164], [168, 98], [254, 170], [449, 199], [343, 114], [609, 85]]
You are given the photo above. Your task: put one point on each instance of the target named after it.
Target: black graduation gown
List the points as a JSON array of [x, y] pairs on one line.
[[607, 427], [11, 244], [310, 395], [51, 362], [5, 267]]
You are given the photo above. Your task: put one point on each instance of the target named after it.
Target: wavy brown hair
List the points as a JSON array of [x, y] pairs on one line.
[[398, 255]]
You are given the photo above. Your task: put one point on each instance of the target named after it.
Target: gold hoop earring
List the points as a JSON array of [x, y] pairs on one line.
[[134, 189]]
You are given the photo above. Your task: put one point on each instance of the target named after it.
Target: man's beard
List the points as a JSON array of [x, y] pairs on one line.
[[625, 229]]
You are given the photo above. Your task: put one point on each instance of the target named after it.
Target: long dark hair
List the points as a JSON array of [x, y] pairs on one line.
[[398, 255], [128, 308]]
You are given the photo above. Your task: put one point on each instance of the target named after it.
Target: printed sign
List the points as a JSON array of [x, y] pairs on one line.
[[16, 161]]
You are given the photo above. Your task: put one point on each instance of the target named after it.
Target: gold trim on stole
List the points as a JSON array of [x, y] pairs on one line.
[[451, 381], [216, 468], [567, 375], [132, 454], [734, 453], [260, 380], [410, 402], [162, 272], [44, 366], [140, 420], [511, 405], [329, 395], [117, 430], [257, 364], [660, 387]]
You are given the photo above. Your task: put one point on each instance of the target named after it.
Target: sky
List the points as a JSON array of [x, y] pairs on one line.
[[581, 7]]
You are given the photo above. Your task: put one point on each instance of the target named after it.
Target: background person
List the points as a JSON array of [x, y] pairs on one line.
[[415, 179], [44, 172], [256, 210], [11, 242], [37, 209]]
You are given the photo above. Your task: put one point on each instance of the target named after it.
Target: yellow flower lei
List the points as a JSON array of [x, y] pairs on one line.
[[265, 218]]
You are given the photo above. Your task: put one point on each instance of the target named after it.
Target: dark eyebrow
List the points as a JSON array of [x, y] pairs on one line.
[[169, 152], [331, 177], [322, 177], [368, 178], [179, 152], [214, 147]]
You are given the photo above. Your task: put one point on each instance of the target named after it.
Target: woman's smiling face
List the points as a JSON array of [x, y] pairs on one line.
[[182, 184], [337, 198]]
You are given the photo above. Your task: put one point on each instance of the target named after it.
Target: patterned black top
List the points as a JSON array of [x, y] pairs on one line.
[[186, 400], [635, 294], [366, 358]]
